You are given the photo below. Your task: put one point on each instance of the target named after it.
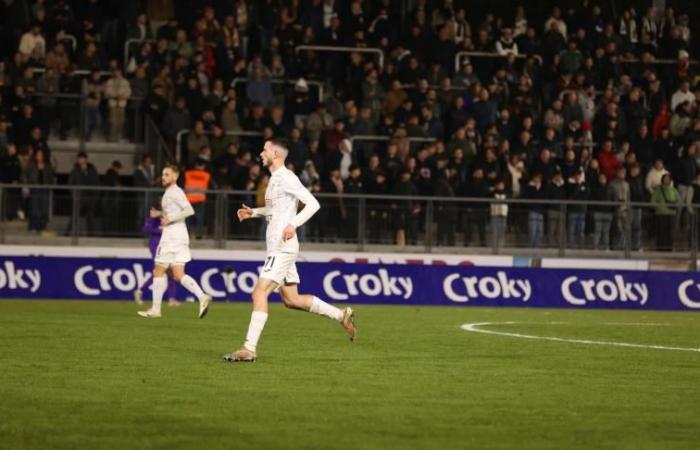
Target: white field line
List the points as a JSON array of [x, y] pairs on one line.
[[475, 328]]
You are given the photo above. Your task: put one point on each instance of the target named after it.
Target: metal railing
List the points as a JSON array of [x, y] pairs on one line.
[[382, 138], [185, 131], [81, 72], [462, 54], [530, 228], [339, 49], [318, 84], [155, 145], [70, 38]]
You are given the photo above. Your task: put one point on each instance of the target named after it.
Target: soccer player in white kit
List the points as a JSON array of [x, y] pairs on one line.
[[174, 248], [282, 196]]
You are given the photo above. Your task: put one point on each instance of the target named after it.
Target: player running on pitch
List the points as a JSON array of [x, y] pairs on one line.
[[174, 248], [282, 196]]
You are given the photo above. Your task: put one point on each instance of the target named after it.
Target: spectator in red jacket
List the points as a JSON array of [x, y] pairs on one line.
[[608, 160]]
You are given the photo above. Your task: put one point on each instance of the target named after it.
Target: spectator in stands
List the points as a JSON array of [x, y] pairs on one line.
[[667, 201], [11, 173], [71, 86], [117, 92], [499, 216], [602, 214], [608, 160], [196, 181], [477, 213], [58, 58], [32, 41], [654, 176], [219, 141], [506, 45], [682, 95], [196, 139], [39, 172], [576, 213], [176, 119], [47, 87], [93, 91], [259, 88], [556, 191], [140, 30], [621, 194], [318, 122], [84, 174], [535, 190], [230, 121]]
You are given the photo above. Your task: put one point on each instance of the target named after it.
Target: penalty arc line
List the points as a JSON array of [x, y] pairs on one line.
[[474, 328]]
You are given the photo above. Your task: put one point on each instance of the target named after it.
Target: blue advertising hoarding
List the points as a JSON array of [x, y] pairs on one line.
[[388, 284]]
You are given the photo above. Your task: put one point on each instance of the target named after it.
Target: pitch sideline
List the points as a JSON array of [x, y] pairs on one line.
[[474, 328]]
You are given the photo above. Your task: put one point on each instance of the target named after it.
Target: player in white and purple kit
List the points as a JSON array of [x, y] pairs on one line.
[[282, 196], [173, 251]]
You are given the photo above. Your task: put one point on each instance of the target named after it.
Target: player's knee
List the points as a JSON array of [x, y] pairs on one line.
[[259, 295]]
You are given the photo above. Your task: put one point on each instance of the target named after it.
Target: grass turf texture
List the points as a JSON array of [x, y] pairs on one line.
[[94, 375]]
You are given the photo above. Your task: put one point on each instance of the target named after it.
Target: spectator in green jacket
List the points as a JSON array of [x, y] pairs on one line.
[[667, 200]]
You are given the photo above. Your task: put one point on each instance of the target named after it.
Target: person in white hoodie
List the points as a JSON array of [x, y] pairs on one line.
[[656, 173]]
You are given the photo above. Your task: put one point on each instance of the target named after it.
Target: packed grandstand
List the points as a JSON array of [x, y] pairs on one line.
[[413, 99]]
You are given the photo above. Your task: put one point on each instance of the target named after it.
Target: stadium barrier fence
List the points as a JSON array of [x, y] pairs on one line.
[[424, 224]]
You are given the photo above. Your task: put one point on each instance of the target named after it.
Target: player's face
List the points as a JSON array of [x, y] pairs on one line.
[[168, 177], [267, 155]]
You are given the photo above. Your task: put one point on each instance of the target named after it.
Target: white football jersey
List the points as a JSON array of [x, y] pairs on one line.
[[173, 202], [282, 196]]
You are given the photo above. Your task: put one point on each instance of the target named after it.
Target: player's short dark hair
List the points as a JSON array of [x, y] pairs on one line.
[[172, 167], [280, 142]]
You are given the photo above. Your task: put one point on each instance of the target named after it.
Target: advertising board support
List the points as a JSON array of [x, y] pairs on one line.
[[561, 232], [361, 218], [429, 226], [75, 216], [694, 238]]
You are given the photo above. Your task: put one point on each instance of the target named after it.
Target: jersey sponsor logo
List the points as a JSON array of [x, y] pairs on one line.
[[339, 286], [579, 292], [689, 293], [92, 281], [13, 278], [461, 289]]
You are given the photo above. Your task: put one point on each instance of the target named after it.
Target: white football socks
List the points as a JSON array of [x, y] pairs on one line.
[[192, 286], [160, 284], [257, 323], [322, 308]]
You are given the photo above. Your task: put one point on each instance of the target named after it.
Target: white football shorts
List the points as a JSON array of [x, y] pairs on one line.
[[281, 268], [173, 255]]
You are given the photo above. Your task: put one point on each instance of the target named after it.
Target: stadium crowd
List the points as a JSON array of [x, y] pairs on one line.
[[576, 107]]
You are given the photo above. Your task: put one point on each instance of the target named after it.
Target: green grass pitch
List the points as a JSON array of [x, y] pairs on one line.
[[95, 375]]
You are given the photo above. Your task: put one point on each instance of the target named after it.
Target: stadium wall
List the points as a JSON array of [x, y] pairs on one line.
[[59, 273]]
